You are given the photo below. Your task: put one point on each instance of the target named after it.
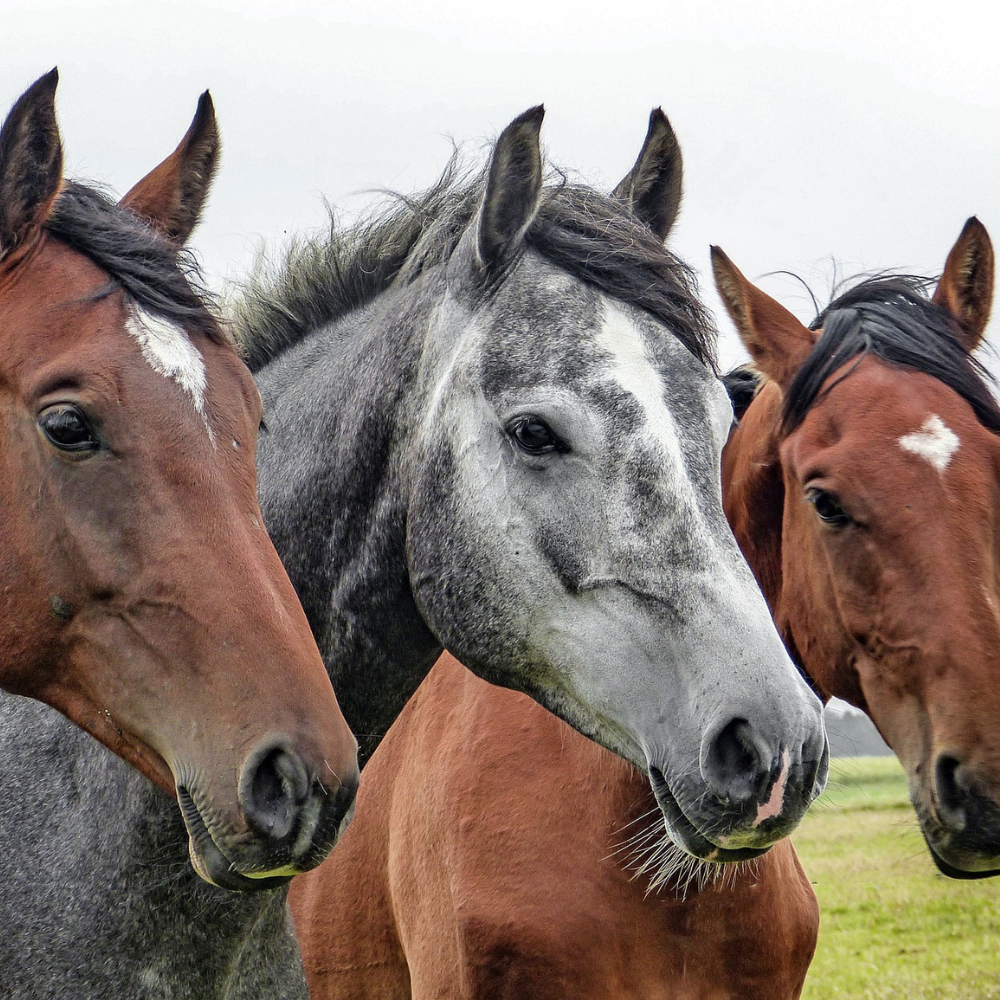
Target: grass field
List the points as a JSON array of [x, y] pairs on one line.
[[891, 925]]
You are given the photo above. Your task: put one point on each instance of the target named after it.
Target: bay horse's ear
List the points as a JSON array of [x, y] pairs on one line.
[[171, 196], [652, 188], [513, 189], [966, 286], [30, 163], [776, 340]]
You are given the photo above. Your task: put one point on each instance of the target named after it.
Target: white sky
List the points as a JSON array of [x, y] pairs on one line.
[[861, 132]]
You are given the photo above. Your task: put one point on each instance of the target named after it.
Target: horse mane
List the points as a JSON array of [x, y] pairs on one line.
[[742, 384], [151, 270], [592, 236], [893, 318]]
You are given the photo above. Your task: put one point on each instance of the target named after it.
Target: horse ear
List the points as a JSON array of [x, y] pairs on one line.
[[776, 340], [513, 188], [652, 188], [30, 163], [966, 286], [171, 196]]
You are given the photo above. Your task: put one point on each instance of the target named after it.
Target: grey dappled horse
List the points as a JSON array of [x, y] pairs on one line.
[[492, 422], [493, 425]]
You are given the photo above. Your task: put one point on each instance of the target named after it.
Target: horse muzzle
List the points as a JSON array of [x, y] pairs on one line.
[[744, 797], [292, 819], [962, 826]]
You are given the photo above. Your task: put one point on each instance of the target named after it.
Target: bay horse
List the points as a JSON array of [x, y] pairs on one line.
[[409, 365], [551, 880], [140, 594], [863, 485]]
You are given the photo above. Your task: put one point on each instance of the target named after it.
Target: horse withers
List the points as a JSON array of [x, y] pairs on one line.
[[492, 422], [863, 484], [140, 593]]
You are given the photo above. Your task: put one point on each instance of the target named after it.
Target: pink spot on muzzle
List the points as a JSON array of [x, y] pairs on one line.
[[773, 806]]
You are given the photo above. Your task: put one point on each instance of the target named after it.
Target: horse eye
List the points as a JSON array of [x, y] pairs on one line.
[[534, 436], [67, 428], [828, 508]]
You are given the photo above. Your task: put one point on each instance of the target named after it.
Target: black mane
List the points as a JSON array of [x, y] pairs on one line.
[[592, 236], [150, 270], [742, 385], [894, 319]]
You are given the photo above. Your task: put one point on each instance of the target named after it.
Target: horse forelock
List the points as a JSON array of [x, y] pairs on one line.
[[155, 275], [893, 318], [590, 235]]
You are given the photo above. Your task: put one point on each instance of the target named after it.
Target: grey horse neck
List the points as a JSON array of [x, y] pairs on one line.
[[333, 497], [99, 897]]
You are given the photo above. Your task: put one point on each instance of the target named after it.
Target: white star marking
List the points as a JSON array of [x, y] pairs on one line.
[[934, 441]]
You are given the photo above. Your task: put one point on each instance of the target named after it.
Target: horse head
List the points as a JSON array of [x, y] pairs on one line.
[[864, 486], [140, 593]]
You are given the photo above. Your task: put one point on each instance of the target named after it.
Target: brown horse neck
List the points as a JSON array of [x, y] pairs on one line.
[[753, 491]]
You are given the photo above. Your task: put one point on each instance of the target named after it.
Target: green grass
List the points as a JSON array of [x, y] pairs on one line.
[[891, 925]]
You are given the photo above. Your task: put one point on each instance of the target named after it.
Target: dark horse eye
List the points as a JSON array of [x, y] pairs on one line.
[[67, 428], [534, 436], [828, 508]]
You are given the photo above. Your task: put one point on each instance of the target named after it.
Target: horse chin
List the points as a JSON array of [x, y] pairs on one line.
[[688, 837], [958, 873], [210, 863]]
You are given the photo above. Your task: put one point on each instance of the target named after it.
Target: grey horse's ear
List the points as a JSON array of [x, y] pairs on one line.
[[171, 196], [513, 189], [652, 188], [30, 163]]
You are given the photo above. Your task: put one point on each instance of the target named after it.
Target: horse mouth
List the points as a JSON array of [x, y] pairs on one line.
[[957, 873], [687, 836], [210, 862]]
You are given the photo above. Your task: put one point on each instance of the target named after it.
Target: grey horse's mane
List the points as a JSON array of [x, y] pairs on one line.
[[591, 235]]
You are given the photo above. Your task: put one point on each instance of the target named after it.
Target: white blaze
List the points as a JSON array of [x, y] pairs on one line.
[[169, 351], [631, 369], [934, 442]]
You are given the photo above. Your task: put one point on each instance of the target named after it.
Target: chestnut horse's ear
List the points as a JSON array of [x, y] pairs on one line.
[[513, 189], [966, 286], [171, 196], [30, 163], [652, 188], [776, 340]]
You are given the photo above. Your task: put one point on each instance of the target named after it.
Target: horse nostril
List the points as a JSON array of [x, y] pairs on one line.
[[273, 787], [733, 764], [951, 796]]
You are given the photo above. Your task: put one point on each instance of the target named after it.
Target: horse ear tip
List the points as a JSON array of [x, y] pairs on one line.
[[205, 111], [973, 224], [46, 83], [534, 115]]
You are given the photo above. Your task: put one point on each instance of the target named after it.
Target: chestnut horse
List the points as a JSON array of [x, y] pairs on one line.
[[140, 594], [512, 887]]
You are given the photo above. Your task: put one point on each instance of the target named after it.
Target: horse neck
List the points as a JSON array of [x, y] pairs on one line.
[[754, 493], [753, 488], [334, 499], [88, 811]]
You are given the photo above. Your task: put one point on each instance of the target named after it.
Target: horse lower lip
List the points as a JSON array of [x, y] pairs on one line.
[[957, 873], [687, 836], [209, 861]]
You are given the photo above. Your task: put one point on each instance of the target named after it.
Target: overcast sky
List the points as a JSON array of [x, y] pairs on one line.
[[858, 132]]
